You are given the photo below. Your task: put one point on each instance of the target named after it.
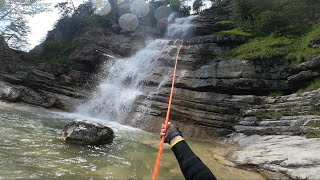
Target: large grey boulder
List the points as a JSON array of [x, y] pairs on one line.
[[87, 133]]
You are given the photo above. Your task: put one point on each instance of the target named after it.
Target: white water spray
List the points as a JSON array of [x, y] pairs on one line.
[[181, 28], [117, 92]]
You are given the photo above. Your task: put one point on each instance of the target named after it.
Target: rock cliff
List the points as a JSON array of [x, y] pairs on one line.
[[215, 97], [42, 84]]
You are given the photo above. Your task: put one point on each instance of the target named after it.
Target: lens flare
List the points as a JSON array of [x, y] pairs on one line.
[[128, 22], [162, 24], [124, 9], [139, 8], [163, 12], [102, 7]]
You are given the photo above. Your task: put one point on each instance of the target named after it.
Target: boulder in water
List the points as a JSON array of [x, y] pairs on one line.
[[87, 133]]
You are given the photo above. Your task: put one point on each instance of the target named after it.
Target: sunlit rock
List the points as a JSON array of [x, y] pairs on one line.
[[87, 132]]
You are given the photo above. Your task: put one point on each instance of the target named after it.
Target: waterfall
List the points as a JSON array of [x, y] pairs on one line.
[[181, 28], [116, 93]]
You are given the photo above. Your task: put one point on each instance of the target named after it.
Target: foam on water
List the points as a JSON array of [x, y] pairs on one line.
[[114, 96]]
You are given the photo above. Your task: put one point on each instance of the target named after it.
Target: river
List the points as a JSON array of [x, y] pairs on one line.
[[30, 149]]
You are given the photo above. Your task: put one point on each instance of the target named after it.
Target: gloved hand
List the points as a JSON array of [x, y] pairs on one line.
[[170, 132]]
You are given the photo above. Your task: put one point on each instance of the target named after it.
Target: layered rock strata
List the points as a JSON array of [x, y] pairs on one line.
[[279, 157]]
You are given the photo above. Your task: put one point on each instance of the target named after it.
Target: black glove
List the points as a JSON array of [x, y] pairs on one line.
[[172, 132]]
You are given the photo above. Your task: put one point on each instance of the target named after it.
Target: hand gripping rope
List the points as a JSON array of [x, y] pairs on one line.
[[157, 165]]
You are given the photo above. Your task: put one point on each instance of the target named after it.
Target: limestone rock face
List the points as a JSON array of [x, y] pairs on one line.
[[305, 72], [280, 157], [87, 132], [207, 21], [100, 46], [294, 114]]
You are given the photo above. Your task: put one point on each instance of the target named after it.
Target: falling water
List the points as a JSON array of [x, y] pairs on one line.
[[181, 28], [116, 93]]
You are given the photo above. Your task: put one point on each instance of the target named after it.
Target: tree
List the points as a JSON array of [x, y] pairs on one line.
[[197, 4], [15, 34], [66, 8], [277, 17], [13, 22]]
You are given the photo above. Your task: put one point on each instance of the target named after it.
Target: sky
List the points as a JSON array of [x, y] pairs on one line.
[[41, 23]]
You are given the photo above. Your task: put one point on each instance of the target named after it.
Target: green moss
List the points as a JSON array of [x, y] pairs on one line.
[[313, 86], [224, 22], [276, 93], [262, 48], [269, 115], [236, 32], [317, 113], [313, 134]]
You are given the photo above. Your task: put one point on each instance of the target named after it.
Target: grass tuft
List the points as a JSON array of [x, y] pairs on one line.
[[313, 86], [294, 49], [262, 48], [317, 113], [235, 32], [224, 22], [313, 134], [276, 94], [269, 115]]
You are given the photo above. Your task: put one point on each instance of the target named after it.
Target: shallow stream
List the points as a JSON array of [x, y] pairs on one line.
[[30, 149]]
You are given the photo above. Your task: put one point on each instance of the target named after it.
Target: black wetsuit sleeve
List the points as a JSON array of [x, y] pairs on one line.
[[191, 165]]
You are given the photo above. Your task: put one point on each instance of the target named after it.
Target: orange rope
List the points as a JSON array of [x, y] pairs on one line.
[[157, 165]]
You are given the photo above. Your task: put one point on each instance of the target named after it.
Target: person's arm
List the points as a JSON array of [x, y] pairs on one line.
[[191, 165]]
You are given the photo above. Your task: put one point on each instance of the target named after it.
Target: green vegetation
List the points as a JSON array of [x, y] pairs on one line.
[[224, 22], [263, 48], [275, 17], [276, 93], [281, 29], [313, 86], [58, 53], [317, 113], [316, 124], [302, 50], [295, 49], [313, 134], [269, 115], [236, 32]]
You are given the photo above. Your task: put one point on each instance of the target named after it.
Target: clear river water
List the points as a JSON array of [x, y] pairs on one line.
[[30, 149]]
